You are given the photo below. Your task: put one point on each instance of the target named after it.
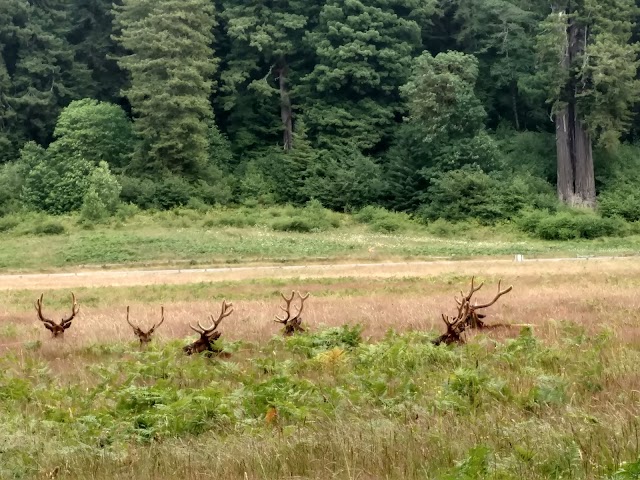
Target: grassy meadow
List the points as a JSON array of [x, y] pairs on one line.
[[363, 395], [280, 235]]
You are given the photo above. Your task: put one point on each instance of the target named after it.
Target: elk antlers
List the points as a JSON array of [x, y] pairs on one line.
[[292, 324], [208, 334], [468, 316], [145, 337], [57, 329]]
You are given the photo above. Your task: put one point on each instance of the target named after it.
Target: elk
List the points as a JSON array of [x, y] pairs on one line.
[[208, 335], [468, 315], [145, 337], [57, 329], [291, 324]]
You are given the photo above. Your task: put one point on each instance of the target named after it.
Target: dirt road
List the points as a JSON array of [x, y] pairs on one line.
[[104, 278]]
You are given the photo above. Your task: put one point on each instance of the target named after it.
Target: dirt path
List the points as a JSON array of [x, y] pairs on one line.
[[104, 278]]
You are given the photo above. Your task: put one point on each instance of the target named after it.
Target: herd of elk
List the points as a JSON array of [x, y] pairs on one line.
[[468, 316]]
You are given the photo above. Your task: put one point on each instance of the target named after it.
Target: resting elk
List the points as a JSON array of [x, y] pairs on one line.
[[145, 337], [292, 324], [209, 335], [468, 315], [57, 329]]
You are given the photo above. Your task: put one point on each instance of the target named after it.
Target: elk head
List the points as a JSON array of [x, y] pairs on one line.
[[292, 324], [57, 329], [145, 337], [474, 319], [209, 334], [468, 315]]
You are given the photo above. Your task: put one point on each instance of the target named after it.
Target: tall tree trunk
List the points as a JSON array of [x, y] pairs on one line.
[[514, 105], [585, 186], [576, 178], [285, 108], [566, 180]]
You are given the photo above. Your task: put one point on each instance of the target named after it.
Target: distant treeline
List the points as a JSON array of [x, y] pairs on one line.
[[444, 109]]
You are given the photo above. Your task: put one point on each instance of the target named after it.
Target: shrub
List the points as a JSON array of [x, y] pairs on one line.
[[138, 191], [93, 209], [126, 211], [50, 228], [621, 201], [8, 224], [570, 224], [344, 337], [240, 218], [381, 220], [292, 225], [464, 193], [106, 187], [55, 183], [172, 192], [343, 178], [312, 218], [387, 225]]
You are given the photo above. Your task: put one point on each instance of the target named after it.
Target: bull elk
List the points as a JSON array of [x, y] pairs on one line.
[[57, 329], [209, 335], [292, 324], [145, 337], [468, 315]]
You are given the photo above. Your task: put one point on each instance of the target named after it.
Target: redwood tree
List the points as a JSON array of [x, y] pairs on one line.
[[588, 67]]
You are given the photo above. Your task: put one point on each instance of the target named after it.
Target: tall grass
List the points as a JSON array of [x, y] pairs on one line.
[[328, 405]]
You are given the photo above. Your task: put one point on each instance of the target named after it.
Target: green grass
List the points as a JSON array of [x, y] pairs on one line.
[[397, 409], [189, 237]]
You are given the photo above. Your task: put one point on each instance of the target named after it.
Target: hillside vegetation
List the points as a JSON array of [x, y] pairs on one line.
[[441, 110], [186, 238]]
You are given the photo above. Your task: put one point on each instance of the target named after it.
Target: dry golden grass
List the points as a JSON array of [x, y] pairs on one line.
[[592, 293], [494, 267]]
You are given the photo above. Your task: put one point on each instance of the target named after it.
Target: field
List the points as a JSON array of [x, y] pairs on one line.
[[363, 395], [185, 238]]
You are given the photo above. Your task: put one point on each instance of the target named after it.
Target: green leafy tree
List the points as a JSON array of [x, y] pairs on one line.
[[445, 130], [42, 66], [588, 66], [343, 178], [501, 34], [54, 183], [90, 35], [95, 131], [170, 63], [364, 52], [266, 50]]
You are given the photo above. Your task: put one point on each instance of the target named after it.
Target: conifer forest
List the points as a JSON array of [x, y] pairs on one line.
[[452, 109]]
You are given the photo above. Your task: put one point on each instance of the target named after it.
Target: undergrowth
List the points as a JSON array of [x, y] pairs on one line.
[[399, 408]]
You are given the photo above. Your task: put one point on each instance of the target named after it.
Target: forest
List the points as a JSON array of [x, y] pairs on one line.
[[490, 110]]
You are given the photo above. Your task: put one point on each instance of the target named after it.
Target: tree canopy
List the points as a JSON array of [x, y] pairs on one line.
[[387, 102]]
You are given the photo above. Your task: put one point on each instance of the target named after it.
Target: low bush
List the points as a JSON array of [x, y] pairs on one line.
[[381, 220], [50, 228], [8, 223], [622, 201], [345, 337], [570, 224], [312, 218], [300, 225]]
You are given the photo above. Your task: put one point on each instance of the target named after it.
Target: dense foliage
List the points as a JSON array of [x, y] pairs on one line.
[[438, 109]]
